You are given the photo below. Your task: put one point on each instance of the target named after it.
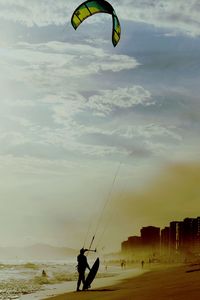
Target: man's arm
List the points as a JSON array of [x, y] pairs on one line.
[[88, 265]]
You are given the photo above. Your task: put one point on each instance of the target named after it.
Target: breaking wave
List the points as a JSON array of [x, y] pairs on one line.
[[27, 278]]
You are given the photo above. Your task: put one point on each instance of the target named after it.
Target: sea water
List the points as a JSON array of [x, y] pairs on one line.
[[19, 278]]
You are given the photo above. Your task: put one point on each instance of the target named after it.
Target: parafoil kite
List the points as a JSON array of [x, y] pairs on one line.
[[91, 7]]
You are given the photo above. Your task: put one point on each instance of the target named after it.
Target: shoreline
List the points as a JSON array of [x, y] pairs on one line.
[[161, 282], [70, 286]]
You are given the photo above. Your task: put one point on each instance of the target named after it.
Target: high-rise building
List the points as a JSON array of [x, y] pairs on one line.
[[197, 239], [150, 236], [124, 246], [132, 244], [181, 237], [191, 234], [175, 235], [185, 235], [164, 240], [134, 241]]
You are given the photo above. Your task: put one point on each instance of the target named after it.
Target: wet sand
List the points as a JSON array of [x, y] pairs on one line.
[[70, 286], [161, 283]]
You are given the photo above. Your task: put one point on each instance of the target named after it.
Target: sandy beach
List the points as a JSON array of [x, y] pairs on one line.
[[170, 283], [70, 286]]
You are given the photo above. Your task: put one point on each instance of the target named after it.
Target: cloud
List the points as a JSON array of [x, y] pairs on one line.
[[36, 166], [180, 15], [53, 64], [72, 130], [94, 138], [149, 131], [65, 107], [108, 100], [12, 139], [40, 13]]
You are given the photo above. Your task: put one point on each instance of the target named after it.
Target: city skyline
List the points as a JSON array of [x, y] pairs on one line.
[[177, 238]]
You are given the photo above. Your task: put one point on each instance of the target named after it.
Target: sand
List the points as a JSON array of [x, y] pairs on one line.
[[70, 286], [160, 283]]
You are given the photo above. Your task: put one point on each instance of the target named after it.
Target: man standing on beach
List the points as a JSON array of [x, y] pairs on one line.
[[81, 267]]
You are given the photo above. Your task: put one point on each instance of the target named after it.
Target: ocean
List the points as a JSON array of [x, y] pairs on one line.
[[19, 278]]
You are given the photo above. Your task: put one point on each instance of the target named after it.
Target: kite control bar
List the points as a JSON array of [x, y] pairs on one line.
[[95, 250]]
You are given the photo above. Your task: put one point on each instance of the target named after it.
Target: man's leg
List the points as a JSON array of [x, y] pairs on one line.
[[83, 280], [79, 281]]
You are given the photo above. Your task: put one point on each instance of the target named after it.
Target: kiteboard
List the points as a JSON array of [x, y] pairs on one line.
[[91, 274]]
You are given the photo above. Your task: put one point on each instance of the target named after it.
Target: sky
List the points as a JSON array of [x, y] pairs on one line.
[[93, 137]]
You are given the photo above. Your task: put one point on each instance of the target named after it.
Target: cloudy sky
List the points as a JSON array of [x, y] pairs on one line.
[[75, 112]]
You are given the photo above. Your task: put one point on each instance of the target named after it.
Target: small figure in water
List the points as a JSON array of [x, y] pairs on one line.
[[142, 264], [44, 274], [81, 267]]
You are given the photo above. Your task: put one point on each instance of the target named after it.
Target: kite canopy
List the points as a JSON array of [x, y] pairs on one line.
[[91, 7]]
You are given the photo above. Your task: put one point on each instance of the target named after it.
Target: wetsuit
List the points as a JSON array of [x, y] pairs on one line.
[[82, 265]]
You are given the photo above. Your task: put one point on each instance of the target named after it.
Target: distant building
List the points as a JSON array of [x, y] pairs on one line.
[[197, 237], [191, 234], [175, 236], [164, 240], [133, 243], [185, 236], [180, 237], [124, 246], [150, 237]]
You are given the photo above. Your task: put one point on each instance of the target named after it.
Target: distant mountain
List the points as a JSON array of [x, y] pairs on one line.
[[38, 251]]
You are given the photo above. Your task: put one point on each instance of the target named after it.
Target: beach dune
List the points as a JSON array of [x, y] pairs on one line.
[[167, 283]]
